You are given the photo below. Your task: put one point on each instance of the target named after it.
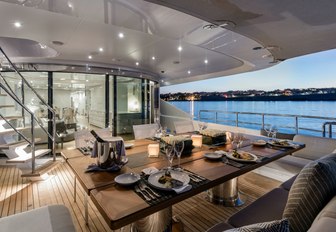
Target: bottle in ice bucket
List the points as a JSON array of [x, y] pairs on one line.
[[107, 155]]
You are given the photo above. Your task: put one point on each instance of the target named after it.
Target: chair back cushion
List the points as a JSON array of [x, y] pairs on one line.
[[273, 226], [310, 192]]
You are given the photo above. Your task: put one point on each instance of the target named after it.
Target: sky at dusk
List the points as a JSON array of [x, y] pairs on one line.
[[311, 71]]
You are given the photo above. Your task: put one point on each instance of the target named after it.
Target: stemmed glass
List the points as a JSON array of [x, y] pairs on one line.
[[273, 131], [169, 149], [268, 130], [178, 147], [237, 139], [202, 125]]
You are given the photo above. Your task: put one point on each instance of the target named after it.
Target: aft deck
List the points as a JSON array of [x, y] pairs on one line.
[[196, 214]]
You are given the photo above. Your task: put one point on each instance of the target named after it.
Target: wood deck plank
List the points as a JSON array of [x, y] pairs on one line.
[[196, 213]]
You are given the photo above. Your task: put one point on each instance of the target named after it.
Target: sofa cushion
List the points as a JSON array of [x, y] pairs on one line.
[[54, 218], [278, 226], [269, 207], [289, 164], [220, 227], [310, 192], [326, 219], [316, 147], [288, 183]]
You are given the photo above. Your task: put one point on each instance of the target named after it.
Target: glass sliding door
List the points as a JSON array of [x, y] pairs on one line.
[[132, 104], [80, 99]]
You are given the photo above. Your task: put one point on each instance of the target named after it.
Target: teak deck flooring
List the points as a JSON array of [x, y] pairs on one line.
[[196, 214]]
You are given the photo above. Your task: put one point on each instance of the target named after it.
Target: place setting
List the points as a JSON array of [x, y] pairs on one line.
[[155, 185]]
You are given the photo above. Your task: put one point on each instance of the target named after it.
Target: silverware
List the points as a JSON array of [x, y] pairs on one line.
[[194, 175], [137, 189], [143, 187]]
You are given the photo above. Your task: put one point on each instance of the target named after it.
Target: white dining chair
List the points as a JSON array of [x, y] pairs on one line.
[[82, 138], [145, 130], [184, 126]]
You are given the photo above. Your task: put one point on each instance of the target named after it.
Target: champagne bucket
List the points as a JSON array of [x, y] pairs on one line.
[[107, 154]]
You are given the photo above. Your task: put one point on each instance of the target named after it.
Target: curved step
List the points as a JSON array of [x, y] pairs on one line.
[[44, 168], [23, 158]]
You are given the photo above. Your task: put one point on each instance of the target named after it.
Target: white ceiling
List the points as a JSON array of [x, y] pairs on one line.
[[283, 29]]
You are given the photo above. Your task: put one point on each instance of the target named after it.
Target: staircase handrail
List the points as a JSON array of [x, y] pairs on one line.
[[32, 114]]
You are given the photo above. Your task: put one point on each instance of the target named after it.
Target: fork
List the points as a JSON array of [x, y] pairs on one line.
[[144, 190], [137, 189], [145, 187]]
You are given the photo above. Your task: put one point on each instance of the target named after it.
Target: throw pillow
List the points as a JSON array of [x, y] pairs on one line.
[[273, 226], [310, 192]]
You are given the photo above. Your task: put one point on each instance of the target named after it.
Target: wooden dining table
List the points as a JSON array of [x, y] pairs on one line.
[[120, 205]]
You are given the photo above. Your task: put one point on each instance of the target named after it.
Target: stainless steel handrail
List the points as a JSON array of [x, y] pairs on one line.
[[238, 122], [329, 124], [53, 136]]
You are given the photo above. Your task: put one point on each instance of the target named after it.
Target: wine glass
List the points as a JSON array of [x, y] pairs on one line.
[[237, 139], [273, 131], [178, 147], [268, 129], [169, 149]]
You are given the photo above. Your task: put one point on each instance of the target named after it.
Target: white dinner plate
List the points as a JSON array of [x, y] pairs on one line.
[[230, 156], [127, 179], [275, 143], [213, 155], [153, 179], [129, 145], [259, 142]]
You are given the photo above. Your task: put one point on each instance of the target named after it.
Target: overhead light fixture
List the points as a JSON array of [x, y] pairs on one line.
[[90, 57], [153, 58], [89, 68], [189, 71], [121, 35], [206, 61], [101, 49], [18, 24], [179, 48], [87, 80], [137, 63]]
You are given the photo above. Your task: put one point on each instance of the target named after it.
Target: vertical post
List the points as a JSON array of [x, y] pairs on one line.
[[296, 125], [115, 101], [23, 102], [330, 130], [50, 115], [237, 124], [107, 100], [216, 117], [143, 103], [263, 121], [32, 142]]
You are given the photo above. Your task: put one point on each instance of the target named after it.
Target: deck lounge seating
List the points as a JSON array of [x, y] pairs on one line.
[[316, 147], [52, 218], [297, 200], [145, 130], [184, 126]]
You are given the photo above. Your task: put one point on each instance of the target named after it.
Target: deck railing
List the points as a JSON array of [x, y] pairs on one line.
[[292, 123]]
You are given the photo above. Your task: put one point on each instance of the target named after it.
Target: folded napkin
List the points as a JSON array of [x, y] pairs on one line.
[[176, 138], [96, 168], [182, 189], [212, 132], [150, 170]]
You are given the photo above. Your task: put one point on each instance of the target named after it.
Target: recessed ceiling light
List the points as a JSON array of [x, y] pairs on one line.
[[90, 57], [189, 72], [58, 43], [101, 49], [18, 24], [162, 81], [87, 80], [153, 58], [89, 68], [137, 63], [112, 71], [179, 48], [206, 61], [70, 4], [121, 35]]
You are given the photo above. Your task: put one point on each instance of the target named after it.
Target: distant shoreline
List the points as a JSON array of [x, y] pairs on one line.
[[311, 97]]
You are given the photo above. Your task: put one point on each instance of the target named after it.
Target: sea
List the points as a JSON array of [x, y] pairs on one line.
[[310, 126]]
